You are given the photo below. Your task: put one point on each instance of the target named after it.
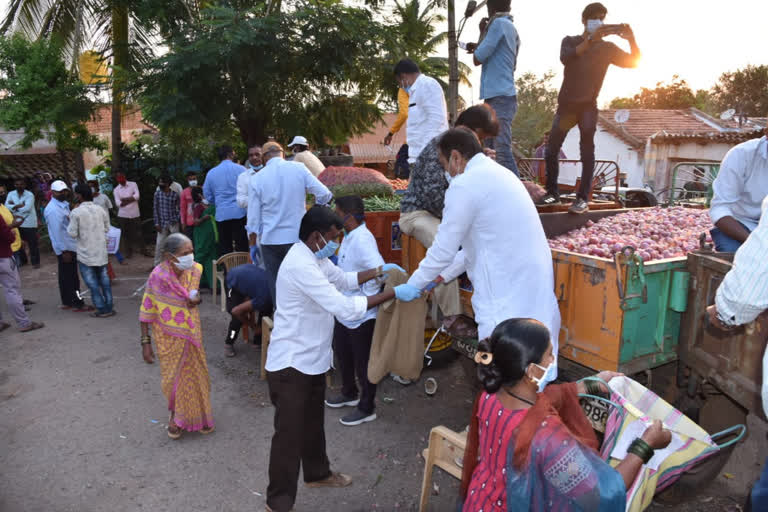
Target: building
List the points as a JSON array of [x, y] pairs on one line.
[[651, 142], [42, 157], [367, 150], [131, 125]]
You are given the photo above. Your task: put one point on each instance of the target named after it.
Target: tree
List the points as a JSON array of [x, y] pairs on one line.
[[536, 106], [307, 71], [676, 94], [122, 29], [745, 90], [42, 97]]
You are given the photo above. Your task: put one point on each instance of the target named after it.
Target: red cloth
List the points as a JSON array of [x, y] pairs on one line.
[[184, 202]]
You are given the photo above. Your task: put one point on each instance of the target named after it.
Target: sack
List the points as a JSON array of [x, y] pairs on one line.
[[113, 240], [638, 407]]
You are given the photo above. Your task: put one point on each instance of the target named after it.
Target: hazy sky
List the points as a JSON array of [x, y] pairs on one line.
[[696, 39]]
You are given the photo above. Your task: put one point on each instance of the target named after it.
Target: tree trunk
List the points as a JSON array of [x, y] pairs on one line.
[[252, 131], [453, 64], [120, 62]]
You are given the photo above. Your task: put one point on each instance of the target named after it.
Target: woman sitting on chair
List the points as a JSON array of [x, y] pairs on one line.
[[530, 446]]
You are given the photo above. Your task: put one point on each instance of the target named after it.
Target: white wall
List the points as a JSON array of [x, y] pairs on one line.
[[607, 147]]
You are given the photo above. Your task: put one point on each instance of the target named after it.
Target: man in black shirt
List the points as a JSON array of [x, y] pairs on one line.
[[247, 294], [586, 59]]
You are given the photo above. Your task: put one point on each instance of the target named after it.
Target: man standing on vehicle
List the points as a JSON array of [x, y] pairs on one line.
[[586, 59], [740, 299], [497, 51]]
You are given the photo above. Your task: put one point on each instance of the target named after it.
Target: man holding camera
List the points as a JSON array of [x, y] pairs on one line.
[[586, 59]]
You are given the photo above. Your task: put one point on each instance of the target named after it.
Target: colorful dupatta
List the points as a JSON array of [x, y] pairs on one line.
[[165, 303]]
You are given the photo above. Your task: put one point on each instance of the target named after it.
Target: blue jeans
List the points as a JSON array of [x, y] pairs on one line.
[[724, 243], [760, 491], [506, 109], [97, 280], [119, 257]]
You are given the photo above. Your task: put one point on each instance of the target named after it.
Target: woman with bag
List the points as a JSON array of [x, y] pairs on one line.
[[530, 446]]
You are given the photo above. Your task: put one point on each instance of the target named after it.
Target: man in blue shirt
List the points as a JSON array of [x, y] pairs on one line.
[[247, 294], [220, 190], [21, 202], [497, 52], [57, 218]]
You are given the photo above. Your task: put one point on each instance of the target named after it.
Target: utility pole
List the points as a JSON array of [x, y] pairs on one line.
[[453, 64]]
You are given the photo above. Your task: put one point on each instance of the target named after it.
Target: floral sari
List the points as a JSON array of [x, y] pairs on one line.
[[179, 341]]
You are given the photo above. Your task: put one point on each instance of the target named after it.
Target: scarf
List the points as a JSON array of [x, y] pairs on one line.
[[165, 303]]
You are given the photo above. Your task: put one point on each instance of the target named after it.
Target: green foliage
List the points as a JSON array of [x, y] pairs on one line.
[[42, 97], [536, 106], [305, 72], [745, 90], [676, 94], [363, 190]]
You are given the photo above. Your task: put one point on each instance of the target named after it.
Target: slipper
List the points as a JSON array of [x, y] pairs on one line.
[[33, 327], [4, 326], [83, 309], [64, 306], [207, 430], [28, 302], [104, 315]]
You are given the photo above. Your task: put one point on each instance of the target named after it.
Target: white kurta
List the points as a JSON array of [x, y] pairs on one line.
[[490, 215], [427, 114]]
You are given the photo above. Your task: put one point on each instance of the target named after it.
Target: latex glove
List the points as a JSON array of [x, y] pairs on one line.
[[407, 293], [392, 266]]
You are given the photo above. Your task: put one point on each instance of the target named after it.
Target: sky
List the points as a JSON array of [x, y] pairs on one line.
[[696, 39]]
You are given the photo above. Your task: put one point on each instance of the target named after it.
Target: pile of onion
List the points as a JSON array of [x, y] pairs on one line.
[[655, 233]]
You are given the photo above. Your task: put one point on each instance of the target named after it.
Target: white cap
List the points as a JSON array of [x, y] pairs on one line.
[[301, 141], [58, 186]]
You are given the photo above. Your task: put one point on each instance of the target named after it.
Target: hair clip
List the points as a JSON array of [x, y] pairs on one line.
[[484, 358]]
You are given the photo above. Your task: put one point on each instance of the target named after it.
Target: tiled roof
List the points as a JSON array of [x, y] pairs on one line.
[[726, 137], [27, 165], [368, 149]]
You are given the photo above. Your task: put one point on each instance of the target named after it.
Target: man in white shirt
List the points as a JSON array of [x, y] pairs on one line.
[[489, 214], [301, 153], [299, 353], [740, 299], [427, 113], [352, 340], [22, 203], [277, 197], [739, 188], [253, 165]]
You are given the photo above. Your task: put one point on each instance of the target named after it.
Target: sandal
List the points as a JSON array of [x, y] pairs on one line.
[[83, 309], [104, 315], [28, 302], [207, 430], [32, 327], [64, 306], [173, 434]]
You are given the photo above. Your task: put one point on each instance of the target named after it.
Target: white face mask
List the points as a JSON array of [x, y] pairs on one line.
[[593, 25], [547, 377], [185, 262], [192, 183]]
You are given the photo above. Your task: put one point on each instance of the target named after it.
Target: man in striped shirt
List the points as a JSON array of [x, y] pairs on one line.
[[742, 297]]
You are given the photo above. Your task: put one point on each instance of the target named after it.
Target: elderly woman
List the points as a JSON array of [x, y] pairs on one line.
[[169, 307], [530, 447]]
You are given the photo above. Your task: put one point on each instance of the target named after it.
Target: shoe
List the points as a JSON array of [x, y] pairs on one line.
[[341, 401], [579, 207], [334, 480], [357, 417], [229, 350], [548, 200], [401, 380]]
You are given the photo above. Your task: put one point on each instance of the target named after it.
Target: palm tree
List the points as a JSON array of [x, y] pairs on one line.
[[123, 31], [414, 35]]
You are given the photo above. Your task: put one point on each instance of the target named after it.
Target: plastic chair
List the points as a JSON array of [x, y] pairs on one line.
[[445, 446], [229, 261]]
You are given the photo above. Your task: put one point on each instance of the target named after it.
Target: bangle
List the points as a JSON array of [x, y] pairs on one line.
[[146, 340], [641, 449]]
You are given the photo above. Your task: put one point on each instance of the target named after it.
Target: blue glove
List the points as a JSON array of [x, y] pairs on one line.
[[392, 266], [407, 293]]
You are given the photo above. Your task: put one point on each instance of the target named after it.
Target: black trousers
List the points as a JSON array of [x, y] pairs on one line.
[[232, 233], [353, 349], [69, 282], [568, 116], [299, 439], [131, 236], [273, 256], [29, 235]]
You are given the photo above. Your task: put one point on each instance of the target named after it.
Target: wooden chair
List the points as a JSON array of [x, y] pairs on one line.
[[229, 261], [445, 446], [266, 336]]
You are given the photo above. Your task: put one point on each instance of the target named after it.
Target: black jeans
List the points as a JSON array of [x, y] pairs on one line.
[[131, 236], [69, 282], [299, 438], [353, 349], [232, 233], [273, 256], [29, 235], [568, 116]]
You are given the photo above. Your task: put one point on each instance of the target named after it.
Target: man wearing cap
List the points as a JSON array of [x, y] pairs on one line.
[[301, 153], [276, 204], [57, 218], [220, 190]]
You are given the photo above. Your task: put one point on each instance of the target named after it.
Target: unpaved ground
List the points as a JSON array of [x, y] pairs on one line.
[[82, 425]]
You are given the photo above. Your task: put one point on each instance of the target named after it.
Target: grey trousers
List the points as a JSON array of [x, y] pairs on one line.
[[161, 236], [11, 282]]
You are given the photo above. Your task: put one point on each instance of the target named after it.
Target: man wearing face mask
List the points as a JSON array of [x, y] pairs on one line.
[[309, 296], [301, 153], [586, 59], [166, 214], [509, 261], [126, 195], [88, 225], [186, 205], [252, 166], [57, 219], [427, 113], [22, 203]]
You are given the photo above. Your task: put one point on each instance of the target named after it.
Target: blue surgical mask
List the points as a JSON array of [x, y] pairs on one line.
[[257, 168], [327, 251], [549, 376]]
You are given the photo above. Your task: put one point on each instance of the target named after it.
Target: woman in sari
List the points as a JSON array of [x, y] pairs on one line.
[[169, 308], [205, 235], [530, 446]]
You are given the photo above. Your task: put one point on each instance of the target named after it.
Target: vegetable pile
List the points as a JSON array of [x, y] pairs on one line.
[[656, 233], [399, 184], [382, 204], [360, 181]]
